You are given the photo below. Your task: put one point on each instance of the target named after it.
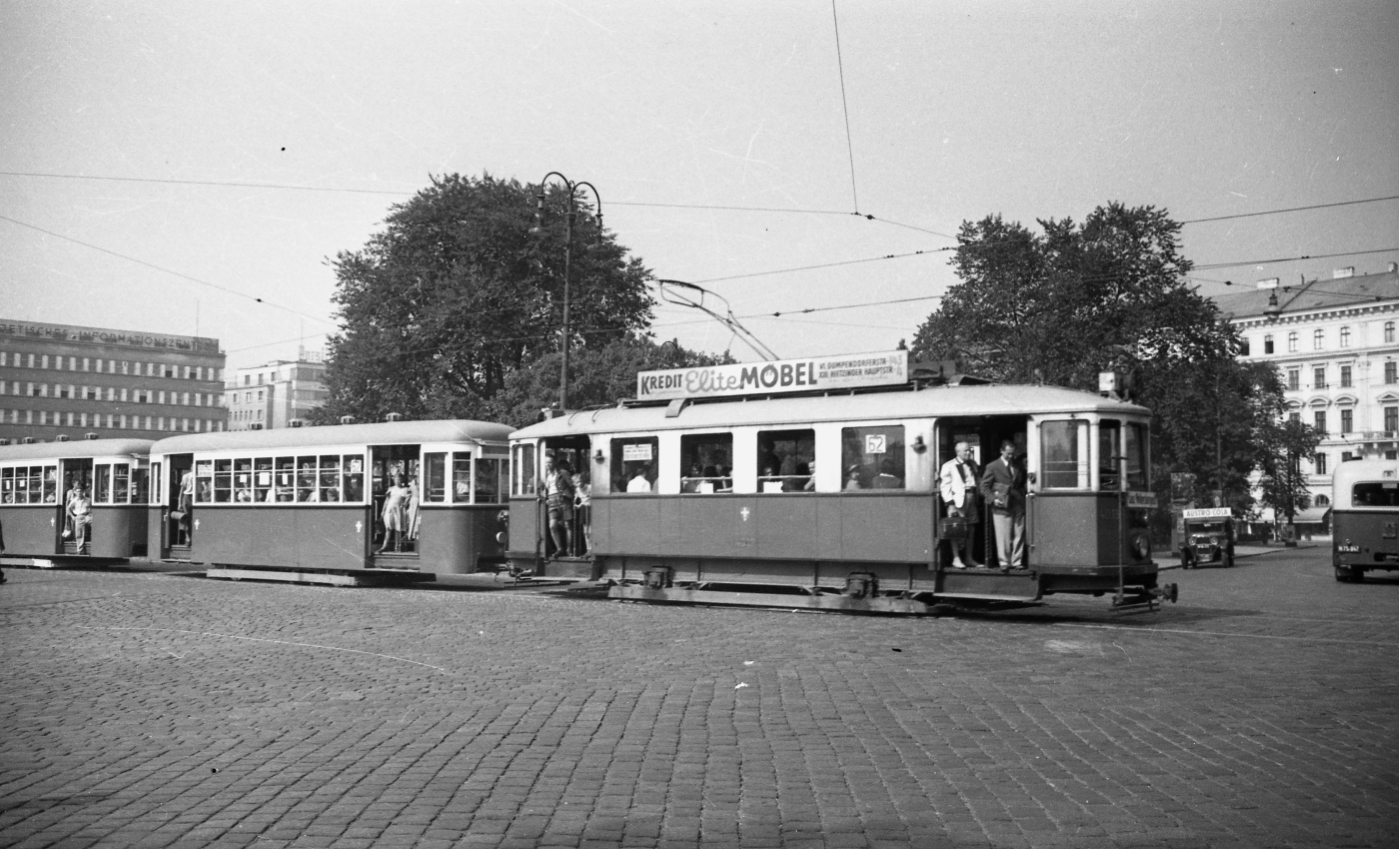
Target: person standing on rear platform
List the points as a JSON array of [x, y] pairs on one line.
[[1003, 487], [958, 480]]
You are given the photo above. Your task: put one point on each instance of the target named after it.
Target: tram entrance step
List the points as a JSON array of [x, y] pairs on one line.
[[989, 584]]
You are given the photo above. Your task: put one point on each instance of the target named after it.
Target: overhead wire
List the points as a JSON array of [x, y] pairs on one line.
[[845, 108]]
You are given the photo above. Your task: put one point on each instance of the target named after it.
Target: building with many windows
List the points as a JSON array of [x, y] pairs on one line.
[[281, 393], [1334, 342], [63, 381]]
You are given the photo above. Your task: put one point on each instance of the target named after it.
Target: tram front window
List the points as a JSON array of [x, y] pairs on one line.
[[491, 473], [1138, 470], [1110, 456], [1064, 454]]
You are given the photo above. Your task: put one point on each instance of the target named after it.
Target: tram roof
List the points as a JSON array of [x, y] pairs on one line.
[[77, 449], [1354, 471], [933, 401], [375, 433]]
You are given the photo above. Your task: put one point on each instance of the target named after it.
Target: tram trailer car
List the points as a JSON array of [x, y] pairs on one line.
[[1364, 518], [832, 501], [308, 504], [36, 477]]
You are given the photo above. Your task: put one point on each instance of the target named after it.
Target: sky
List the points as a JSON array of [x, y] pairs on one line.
[[190, 168]]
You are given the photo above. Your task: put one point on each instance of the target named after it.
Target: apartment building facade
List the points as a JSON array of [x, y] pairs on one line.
[[281, 393]]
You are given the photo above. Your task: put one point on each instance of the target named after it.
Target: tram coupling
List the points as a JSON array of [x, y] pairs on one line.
[[1130, 597]]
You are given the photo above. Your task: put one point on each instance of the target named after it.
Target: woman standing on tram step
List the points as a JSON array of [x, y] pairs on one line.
[[395, 502], [415, 516], [185, 502]]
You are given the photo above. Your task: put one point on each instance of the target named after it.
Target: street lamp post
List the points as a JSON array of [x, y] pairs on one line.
[[567, 262]]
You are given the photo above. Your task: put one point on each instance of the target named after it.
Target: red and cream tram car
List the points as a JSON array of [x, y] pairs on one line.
[[327, 504], [1364, 518], [829, 497], [37, 478]]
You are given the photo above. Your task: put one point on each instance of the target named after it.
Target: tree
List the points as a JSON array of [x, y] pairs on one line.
[[1061, 306], [1284, 487], [603, 375], [456, 293]]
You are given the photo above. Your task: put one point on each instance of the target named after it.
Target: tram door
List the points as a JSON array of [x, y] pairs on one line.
[[75, 473], [984, 435], [566, 531], [396, 490], [177, 532]]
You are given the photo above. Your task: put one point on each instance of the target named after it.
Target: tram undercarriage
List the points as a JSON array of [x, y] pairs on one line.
[[875, 588]]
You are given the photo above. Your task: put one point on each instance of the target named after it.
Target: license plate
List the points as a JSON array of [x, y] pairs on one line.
[[1348, 549]]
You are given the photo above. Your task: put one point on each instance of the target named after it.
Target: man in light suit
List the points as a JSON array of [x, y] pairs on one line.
[[1003, 487], [958, 479]]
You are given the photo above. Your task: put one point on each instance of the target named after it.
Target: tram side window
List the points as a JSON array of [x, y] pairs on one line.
[[634, 464], [101, 484], [140, 483], [353, 467], [523, 477], [491, 475], [7, 486], [784, 459], [286, 479], [143, 481], [262, 480], [223, 481], [330, 477], [1138, 477], [706, 463], [461, 477], [204, 481], [1064, 454], [872, 457], [435, 478], [306, 479], [30, 485], [243, 479]]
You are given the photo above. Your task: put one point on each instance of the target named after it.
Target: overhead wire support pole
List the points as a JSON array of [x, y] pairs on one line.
[[845, 107], [538, 229], [728, 319]]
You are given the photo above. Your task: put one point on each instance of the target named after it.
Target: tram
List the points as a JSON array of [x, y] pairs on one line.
[[816, 484], [1364, 518], [332, 504], [37, 478]]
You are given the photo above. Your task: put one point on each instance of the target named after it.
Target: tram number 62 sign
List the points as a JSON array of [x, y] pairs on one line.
[[874, 443]]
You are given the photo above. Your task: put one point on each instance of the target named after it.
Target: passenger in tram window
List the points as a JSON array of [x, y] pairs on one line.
[[852, 479], [768, 461], [395, 500], [722, 481], [583, 507], [641, 481], [887, 479], [1003, 487], [243, 494], [80, 509], [810, 485], [958, 480], [556, 491], [692, 481]]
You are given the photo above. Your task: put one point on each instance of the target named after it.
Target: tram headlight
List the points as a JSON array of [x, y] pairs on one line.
[[1141, 545]]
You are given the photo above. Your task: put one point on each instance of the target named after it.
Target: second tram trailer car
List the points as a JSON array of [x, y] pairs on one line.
[[1364, 518], [37, 478], [828, 497], [344, 504]]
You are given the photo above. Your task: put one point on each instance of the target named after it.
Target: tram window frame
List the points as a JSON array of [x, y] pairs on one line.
[[328, 472], [624, 470], [698, 450], [855, 440], [352, 479], [223, 480], [524, 479], [1110, 455], [284, 480], [460, 471], [1366, 490], [140, 484], [803, 442], [243, 477], [156, 494], [204, 481], [264, 486], [307, 479], [434, 481], [1055, 478], [101, 483], [493, 472], [1138, 451]]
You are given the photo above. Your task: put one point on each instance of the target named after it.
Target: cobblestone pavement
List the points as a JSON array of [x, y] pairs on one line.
[[149, 709]]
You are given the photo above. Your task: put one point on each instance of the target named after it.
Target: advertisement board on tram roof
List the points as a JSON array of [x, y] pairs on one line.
[[779, 376]]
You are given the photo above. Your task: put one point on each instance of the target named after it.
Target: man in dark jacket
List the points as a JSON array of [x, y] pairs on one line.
[[1003, 489]]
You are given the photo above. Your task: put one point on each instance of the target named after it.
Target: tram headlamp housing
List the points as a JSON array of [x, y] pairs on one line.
[[1140, 545]]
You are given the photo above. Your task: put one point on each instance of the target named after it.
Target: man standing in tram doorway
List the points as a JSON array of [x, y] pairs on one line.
[[959, 490], [1003, 487]]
